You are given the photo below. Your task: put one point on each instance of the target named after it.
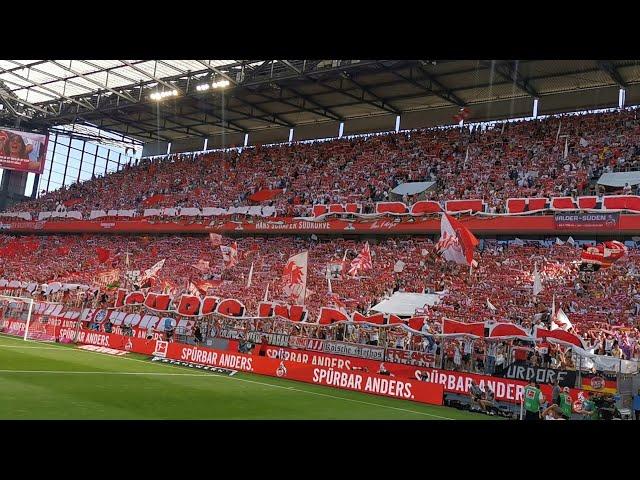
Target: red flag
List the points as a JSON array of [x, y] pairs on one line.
[[294, 277], [456, 241], [229, 255], [362, 261], [103, 254], [451, 326]]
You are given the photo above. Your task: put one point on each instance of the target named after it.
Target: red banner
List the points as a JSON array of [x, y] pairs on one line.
[[319, 368], [506, 390], [533, 224], [333, 374]]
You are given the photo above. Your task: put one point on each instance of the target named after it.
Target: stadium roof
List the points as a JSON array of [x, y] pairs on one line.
[[266, 98]]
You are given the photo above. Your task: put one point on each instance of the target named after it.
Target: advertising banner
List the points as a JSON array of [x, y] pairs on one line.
[[587, 221], [22, 151], [388, 386], [506, 390]]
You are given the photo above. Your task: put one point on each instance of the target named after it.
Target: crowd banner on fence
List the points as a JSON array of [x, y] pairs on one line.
[[522, 371]]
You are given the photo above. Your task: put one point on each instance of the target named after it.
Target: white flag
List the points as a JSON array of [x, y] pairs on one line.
[[229, 255], [329, 284], [583, 142], [399, 266], [566, 146], [250, 276], [559, 242], [294, 277], [537, 283], [519, 242], [560, 321], [266, 293], [153, 270], [490, 306], [571, 241]]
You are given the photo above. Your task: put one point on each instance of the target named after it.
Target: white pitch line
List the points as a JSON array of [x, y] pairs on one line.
[[146, 362], [73, 372], [21, 346]]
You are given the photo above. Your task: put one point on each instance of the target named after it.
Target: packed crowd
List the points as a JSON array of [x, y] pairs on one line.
[[604, 306], [524, 159]]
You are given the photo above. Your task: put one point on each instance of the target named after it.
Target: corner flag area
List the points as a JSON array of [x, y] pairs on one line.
[[51, 381]]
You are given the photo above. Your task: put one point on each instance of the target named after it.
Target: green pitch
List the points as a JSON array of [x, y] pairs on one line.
[[49, 381]]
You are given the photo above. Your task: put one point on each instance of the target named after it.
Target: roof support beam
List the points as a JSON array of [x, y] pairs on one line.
[[123, 95], [82, 103], [383, 105], [276, 119], [153, 77], [445, 92], [326, 111], [510, 72], [610, 69]]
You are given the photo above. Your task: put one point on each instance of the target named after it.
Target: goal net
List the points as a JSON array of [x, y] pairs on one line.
[[28, 319]]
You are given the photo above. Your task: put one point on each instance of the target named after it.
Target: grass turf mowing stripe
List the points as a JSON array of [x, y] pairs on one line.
[[280, 409]]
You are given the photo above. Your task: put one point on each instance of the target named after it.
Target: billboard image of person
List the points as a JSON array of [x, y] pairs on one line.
[[22, 151]]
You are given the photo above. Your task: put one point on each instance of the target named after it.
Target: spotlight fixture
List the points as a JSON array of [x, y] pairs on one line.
[[157, 96], [219, 84]]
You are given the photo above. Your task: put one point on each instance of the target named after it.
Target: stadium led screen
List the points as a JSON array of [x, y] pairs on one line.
[[22, 151]]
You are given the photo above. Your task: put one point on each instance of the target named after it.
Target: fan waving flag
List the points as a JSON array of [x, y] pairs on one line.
[[216, 239], [537, 282], [456, 242], [294, 277], [362, 261], [561, 321], [229, 255], [153, 270], [202, 265]]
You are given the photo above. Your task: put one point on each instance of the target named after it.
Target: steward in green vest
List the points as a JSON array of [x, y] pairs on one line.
[[566, 403], [533, 398]]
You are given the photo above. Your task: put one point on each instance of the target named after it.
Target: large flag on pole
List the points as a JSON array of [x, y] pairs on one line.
[[456, 242], [229, 255], [537, 283], [362, 261], [294, 277], [250, 276], [490, 306]]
